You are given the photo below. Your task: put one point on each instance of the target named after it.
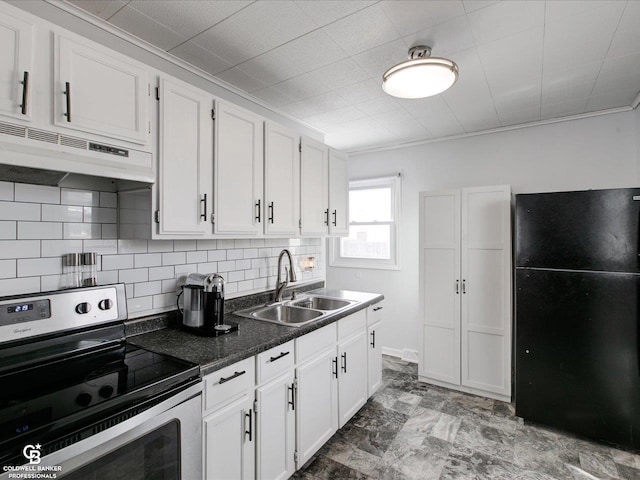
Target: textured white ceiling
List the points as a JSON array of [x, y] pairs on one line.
[[322, 61]]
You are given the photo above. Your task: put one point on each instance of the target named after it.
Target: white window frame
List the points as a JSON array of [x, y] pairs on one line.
[[335, 260]]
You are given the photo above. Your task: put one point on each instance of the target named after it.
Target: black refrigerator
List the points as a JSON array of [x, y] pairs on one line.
[[577, 361]]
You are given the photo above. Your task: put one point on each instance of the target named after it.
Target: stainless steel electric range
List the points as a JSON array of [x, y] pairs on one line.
[[78, 402]]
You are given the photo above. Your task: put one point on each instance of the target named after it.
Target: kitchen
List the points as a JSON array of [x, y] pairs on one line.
[[561, 117]]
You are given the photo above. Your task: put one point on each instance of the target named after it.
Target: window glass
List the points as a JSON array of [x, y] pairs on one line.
[[367, 241], [370, 205]]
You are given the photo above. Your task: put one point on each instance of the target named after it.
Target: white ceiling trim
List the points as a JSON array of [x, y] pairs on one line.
[[132, 39], [497, 130]]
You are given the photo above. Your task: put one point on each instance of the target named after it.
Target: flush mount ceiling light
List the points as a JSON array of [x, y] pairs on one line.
[[420, 76]]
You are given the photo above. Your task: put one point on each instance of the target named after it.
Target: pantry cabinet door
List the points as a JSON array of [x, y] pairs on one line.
[[16, 65], [238, 175], [314, 185], [441, 285], [185, 159], [281, 180], [99, 91]]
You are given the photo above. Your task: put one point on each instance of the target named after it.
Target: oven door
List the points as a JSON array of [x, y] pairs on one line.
[[164, 442]]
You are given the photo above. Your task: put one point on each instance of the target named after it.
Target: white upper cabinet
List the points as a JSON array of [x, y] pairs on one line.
[[281, 180], [238, 171], [16, 66], [185, 159], [338, 193], [99, 91], [314, 190]]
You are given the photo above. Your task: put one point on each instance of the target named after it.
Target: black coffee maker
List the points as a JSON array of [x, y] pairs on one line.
[[203, 311]]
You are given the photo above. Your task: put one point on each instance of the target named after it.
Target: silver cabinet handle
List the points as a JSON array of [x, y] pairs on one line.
[[25, 93], [67, 92]]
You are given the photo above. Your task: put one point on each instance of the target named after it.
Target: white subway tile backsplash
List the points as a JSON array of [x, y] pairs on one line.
[[174, 258], [24, 192], [256, 242], [170, 285], [135, 275], [242, 243], [55, 248], [164, 300], [107, 277], [245, 285], [184, 270], [243, 264], [117, 262], [236, 276], [206, 244], [108, 199], [19, 211], [101, 247], [230, 288], [148, 260], [258, 263], [160, 246], [51, 282], [199, 256], [81, 230], [147, 288], [84, 198], [31, 267], [184, 245], [39, 230], [19, 248], [15, 286], [210, 267], [250, 253], [6, 191], [61, 213], [251, 274], [234, 254], [139, 304], [132, 246], [227, 266], [225, 243], [7, 230], [161, 273], [100, 215], [109, 231], [217, 255], [7, 268]]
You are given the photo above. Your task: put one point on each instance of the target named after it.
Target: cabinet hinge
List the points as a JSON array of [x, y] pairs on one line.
[[255, 406], [157, 216], [300, 147], [213, 218], [149, 126], [213, 114], [295, 456], [148, 89], [300, 224], [158, 93]]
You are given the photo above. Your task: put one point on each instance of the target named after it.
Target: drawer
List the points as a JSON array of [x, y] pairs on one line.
[[374, 313], [274, 361], [315, 342], [354, 323], [226, 384]]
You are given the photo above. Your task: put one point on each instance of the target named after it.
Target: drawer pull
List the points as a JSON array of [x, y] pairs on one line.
[[67, 92], [335, 366], [282, 354], [235, 375], [25, 92], [377, 308], [373, 339]]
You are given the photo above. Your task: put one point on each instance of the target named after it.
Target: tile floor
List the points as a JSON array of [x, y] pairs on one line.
[[411, 430]]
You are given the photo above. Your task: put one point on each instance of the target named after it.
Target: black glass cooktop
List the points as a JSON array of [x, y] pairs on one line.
[[45, 402]]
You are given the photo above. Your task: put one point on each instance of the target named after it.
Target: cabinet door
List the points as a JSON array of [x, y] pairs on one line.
[[374, 358], [238, 175], [317, 408], [185, 160], [276, 428], [352, 377], [16, 57], [314, 188], [281, 180], [99, 91], [486, 288], [229, 442], [440, 286], [338, 193]]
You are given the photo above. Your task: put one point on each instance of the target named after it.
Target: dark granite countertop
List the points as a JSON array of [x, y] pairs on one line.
[[252, 337]]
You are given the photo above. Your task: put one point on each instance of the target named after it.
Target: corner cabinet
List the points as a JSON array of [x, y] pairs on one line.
[[185, 159], [99, 91], [238, 171], [314, 181], [338, 193], [465, 285], [16, 66], [281, 181]]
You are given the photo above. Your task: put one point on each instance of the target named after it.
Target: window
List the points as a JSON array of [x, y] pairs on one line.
[[374, 208]]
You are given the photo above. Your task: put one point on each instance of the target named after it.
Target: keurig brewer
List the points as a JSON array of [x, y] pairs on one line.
[[203, 311]]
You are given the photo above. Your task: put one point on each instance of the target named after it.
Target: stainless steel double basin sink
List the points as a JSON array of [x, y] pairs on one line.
[[298, 312]]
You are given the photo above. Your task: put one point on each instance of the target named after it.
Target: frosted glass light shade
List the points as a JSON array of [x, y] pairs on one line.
[[419, 78]]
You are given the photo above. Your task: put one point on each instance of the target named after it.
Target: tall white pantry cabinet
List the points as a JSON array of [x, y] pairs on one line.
[[465, 290]]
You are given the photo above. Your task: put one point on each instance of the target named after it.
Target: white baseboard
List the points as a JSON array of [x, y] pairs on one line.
[[405, 354], [462, 388]]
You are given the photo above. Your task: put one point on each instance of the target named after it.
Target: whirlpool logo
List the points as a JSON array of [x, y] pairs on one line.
[[32, 453]]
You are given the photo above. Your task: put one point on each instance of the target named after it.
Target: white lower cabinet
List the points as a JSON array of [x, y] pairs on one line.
[[352, 380], [374, 354], [230, 442]]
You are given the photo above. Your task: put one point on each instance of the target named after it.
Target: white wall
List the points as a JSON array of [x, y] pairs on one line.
[[597, 152]]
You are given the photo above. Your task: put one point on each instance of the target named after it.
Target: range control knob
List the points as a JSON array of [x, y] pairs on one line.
[[83, 308], [105, 391], [83, 399], [105, 304]]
